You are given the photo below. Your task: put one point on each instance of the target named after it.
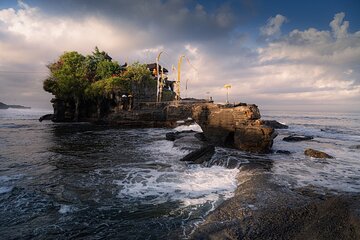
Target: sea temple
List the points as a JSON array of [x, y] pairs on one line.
[[141, 95]]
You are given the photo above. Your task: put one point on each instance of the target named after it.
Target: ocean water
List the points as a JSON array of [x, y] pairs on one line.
[[337, 134], [64, 180]]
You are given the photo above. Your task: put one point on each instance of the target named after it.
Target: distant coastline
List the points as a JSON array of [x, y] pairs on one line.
[[6, 106]]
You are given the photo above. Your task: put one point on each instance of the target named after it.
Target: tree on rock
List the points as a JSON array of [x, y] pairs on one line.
[[72, 75], [67, 79]]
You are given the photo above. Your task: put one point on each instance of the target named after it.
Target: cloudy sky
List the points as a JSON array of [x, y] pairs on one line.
[[283, 55]]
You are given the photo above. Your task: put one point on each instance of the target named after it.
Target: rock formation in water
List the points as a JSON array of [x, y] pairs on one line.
[[229, 126], [296, 138], [239, 127], [275, 124], [316, 154]]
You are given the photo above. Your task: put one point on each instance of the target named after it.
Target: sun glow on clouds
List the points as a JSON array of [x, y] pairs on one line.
[[65, 34], [305, 66]]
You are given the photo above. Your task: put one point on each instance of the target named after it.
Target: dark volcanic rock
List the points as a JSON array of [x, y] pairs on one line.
[[296, 138], [283, 152], [200, 150], [355, 147], [172, 136], [275, 124], [261, 209], [46, 117], [200, 136], [316, 154], [3, 106], [186, 140], [201, 155]]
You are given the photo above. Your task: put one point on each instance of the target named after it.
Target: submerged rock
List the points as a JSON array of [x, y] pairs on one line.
[[283, 152], [172, 136], [355, 147], [297, 138], [275, 124], [316, 154]]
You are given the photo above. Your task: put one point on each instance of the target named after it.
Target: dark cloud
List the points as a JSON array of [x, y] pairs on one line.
[[171, 20]]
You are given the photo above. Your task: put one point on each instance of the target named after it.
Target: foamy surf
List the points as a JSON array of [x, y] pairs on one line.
[[194, 185], [194, 127], [332, 134]]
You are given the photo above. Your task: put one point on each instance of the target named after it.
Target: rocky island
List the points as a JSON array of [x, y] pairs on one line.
[[140, 96]]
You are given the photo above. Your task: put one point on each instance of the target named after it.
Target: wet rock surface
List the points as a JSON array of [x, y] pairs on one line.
[[172, 136], [286, 152], [200, 150], [46, 117], [262, 209], [316, 153], [275, 124], [355, 147], [297, 138], [201, 155]]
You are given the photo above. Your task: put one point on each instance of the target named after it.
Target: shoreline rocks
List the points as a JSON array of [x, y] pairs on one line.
[[297, 138], [275, 124], [355, 147], [262, 209], [204, 154], [46, 117], [316, 154]]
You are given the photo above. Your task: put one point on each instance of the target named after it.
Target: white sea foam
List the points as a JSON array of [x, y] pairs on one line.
[[64, 209], [194, 127], [340, 174], [7, 181], [6, 189], [192, 185], [163, 149]]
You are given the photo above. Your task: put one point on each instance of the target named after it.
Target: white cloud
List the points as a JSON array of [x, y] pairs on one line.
[[310, 67], [339, 26], [31, 39], [323, 65], [273, 25]]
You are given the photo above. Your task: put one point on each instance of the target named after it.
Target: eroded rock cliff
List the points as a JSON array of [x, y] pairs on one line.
[[239, 126]]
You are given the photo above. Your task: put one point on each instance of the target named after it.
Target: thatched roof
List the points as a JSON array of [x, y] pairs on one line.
[[152, 66]]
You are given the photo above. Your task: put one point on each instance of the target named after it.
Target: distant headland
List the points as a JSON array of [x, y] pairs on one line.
[[6, 106]]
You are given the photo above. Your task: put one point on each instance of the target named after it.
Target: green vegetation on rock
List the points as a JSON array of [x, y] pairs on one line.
[[76, 78]]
